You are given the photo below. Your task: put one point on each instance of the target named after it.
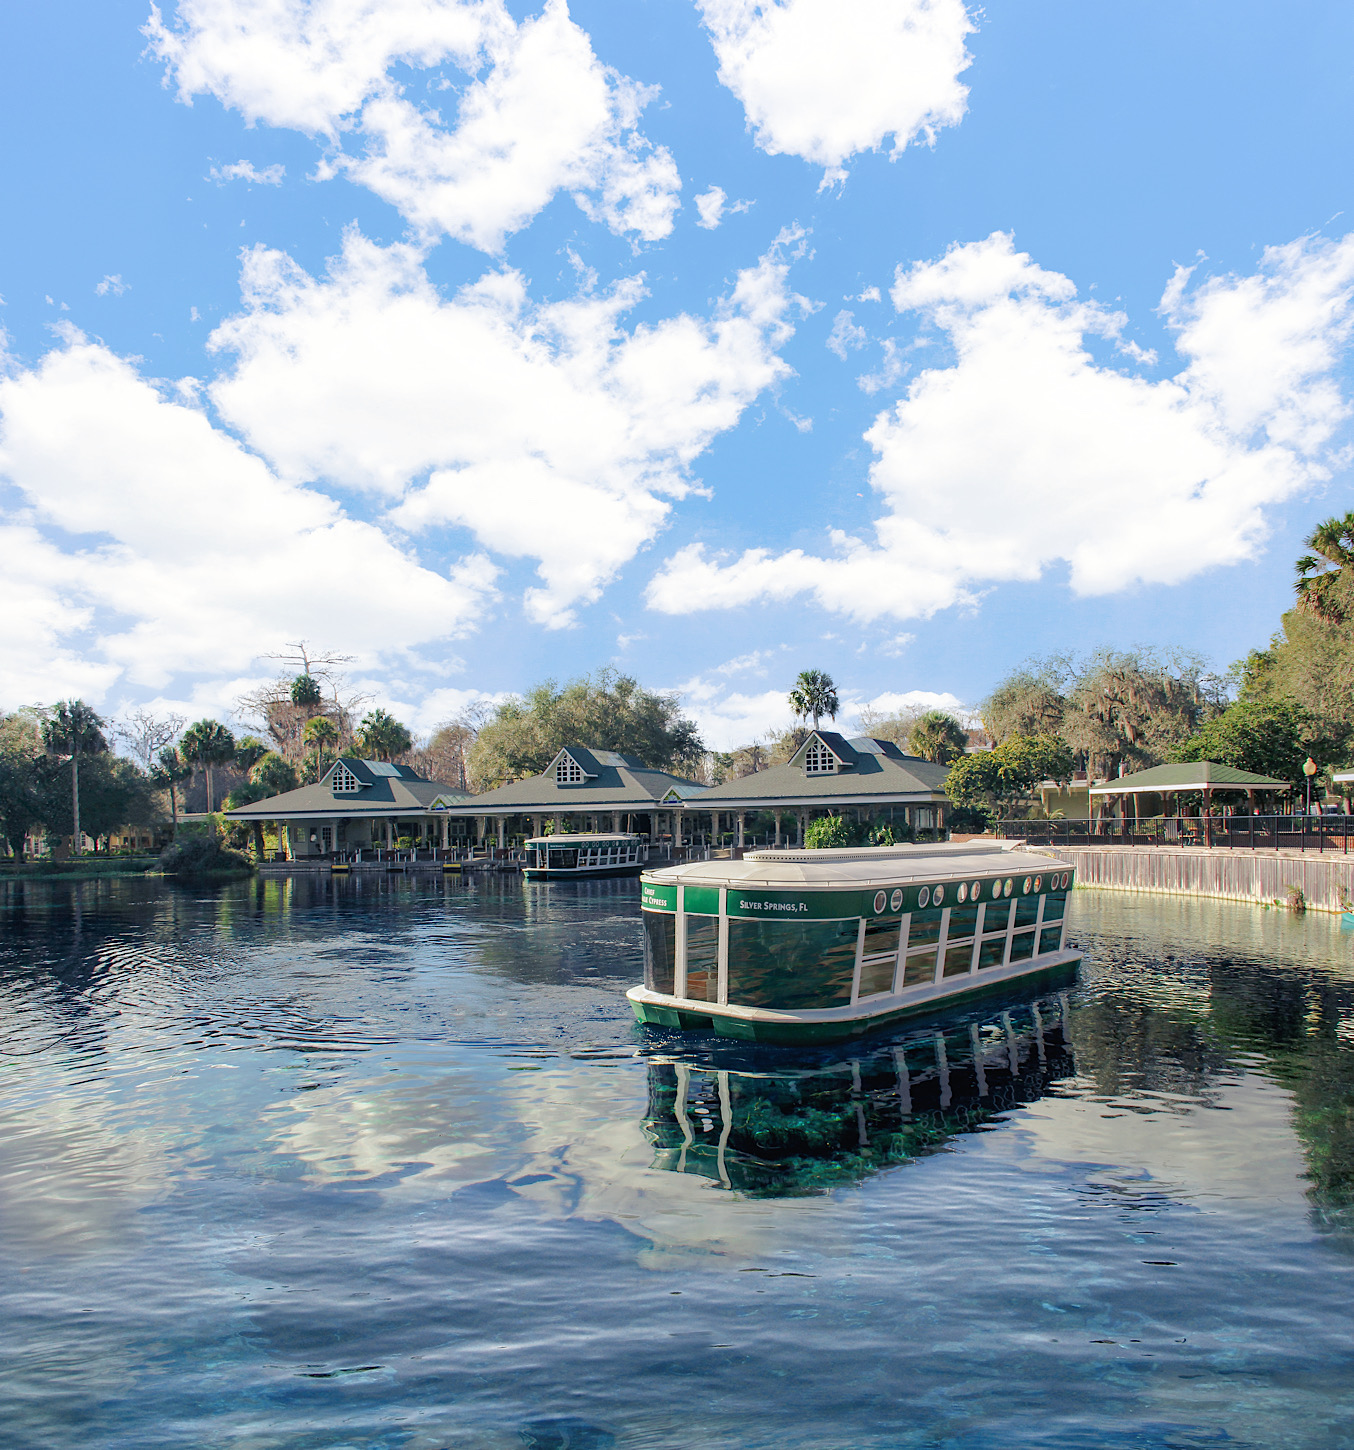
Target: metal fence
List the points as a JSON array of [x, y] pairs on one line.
[[1294, 833]]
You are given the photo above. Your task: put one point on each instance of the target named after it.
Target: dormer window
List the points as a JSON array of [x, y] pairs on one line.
[[818, 759], [343, 781], [569, 772]]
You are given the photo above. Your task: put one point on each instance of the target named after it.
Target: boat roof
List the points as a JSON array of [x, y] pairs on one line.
[[583, 838], [851, 867]]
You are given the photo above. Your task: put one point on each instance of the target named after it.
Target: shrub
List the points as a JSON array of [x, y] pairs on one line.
[[199, 856], [969, 820], [829, 832]]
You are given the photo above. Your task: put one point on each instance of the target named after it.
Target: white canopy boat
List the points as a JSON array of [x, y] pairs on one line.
[[816, 946], [600, 854]]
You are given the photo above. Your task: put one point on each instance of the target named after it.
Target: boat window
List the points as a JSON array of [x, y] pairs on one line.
[[881, 937], [920, 968], [702, 958], [1053, 907], [996, 917], [877, 976], [563, 860], [1022, 946], [1050, 939], [992, 952], [925, 928], [963, 922], [1027, 910], [660, 951], [958, 959], [794, 965]]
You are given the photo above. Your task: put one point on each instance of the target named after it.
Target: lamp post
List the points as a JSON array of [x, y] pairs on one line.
[[1309, 770]]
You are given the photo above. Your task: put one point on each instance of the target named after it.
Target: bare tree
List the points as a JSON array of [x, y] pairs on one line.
[[146, 735]]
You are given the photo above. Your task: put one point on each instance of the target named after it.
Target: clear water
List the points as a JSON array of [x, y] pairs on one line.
[[296, 1164]]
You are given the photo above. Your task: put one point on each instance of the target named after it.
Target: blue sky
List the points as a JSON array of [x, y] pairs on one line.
[[487, 341]]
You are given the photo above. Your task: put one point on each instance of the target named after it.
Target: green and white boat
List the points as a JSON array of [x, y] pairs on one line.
[[818, 946], [571, 855]]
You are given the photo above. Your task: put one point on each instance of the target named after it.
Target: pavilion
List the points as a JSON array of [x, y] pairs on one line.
[[583, 790], [356, 804], [1152, 788], [831, 775]]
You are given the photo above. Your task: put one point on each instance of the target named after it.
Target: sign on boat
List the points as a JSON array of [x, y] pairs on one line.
[[616, 854], [816, 946]]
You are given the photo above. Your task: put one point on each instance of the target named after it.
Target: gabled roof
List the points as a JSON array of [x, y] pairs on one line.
[[1197, 775], [385, 790], [877, 771], [615, 782]]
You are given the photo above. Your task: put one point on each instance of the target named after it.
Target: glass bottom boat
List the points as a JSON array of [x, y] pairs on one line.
[[616, 854], [818, 946]]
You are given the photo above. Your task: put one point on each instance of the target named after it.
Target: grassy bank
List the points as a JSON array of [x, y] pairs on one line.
[[80, 868]]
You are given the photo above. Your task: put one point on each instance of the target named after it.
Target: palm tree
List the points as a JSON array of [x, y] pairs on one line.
[[208, 743], [814, 695], [382, 737], [1321, 575], [74, 729], [939, 737], [168, 773], [320, 732], [248, 752]]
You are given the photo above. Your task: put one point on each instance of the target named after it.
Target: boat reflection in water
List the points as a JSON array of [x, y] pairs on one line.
[[779, 1129]]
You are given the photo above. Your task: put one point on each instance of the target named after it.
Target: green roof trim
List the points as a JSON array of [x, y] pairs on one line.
[[1198, 775]]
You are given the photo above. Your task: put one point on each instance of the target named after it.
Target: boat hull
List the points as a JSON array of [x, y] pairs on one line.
[[839, 1024], [576, 873]]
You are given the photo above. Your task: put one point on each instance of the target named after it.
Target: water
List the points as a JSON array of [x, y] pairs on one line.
[[296, 1164]]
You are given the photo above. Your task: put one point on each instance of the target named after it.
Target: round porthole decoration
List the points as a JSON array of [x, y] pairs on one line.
[[924, 896], [1067, 878], [881, 900], [1038, 883], [1008, 887], [996, 890], [896, 900], [962, 893], [1025, 886], [976, 890], [937, 895]]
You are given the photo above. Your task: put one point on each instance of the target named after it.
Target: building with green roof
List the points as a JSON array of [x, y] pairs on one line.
[[1148, 791], [356, 805], [864, 778], [584, 790]]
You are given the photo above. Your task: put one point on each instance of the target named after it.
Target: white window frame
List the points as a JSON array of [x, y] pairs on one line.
[[343, 781], [818, 759], [569, 772]]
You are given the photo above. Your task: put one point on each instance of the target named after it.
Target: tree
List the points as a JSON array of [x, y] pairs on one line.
[[996, 780], [321, 734], [146, 735], [1323, 577], [73, 729], [607, 711], [1269, 737], [938, 737], [208, 744], [813, 696], [168, 773], [306, 693], [896, 727], [281, 709], [1029, 701], [249, 750], [273, 775], [382, 737], [446, 756]]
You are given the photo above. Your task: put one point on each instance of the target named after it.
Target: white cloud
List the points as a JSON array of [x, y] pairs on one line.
[[549, 431], [825, 79], [898, 702], [845, 335], [710, 205], [1025, 451], [537, 112], [113, 284], [728, 721], [247, 171], [190, 556]]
